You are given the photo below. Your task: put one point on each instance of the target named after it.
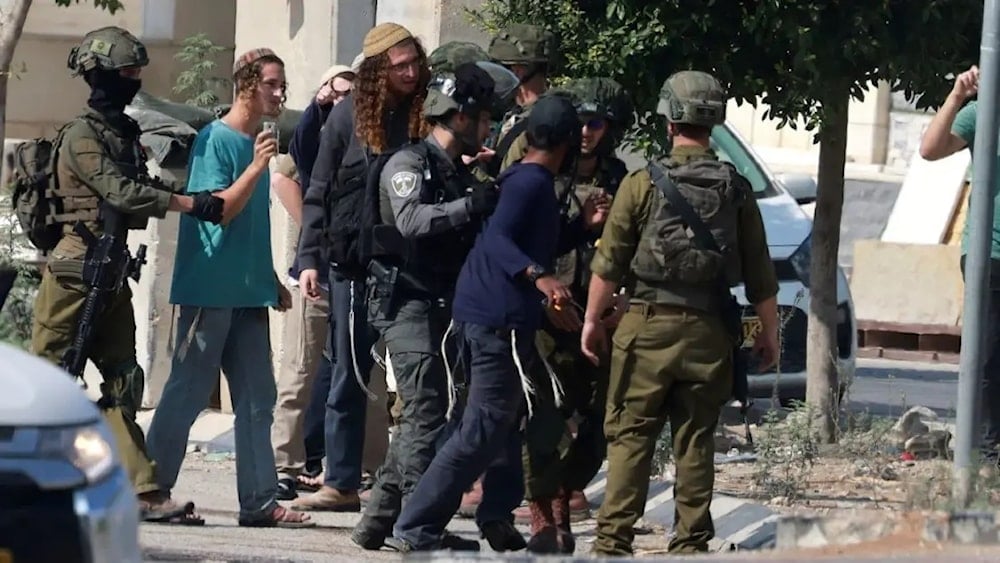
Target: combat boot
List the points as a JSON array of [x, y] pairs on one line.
[[561, 516], [544, 536]]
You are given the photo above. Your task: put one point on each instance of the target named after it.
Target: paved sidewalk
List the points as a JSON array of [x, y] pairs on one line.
[[743, 523]]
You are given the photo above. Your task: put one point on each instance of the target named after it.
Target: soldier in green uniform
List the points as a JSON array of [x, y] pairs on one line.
[[527, 50], [101, 163], [557, 466], [672, 352]]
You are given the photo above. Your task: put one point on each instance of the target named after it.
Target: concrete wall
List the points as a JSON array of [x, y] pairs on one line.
[[867, 133]]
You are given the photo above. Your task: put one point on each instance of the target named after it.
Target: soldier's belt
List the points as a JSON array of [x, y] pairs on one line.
[[655, 309]]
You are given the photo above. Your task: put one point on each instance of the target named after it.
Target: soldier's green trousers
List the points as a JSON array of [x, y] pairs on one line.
[[553, 459], [667, 363], [58, 306]]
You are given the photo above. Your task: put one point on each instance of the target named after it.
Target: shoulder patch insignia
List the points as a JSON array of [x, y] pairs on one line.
[[403, 183]]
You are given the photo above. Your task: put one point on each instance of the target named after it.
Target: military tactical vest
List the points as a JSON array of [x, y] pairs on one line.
[[669, 265], [121, 143], [573, 268], [436, 260]]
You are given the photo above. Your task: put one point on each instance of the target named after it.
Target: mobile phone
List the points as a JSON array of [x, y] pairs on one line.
[[272, 127]]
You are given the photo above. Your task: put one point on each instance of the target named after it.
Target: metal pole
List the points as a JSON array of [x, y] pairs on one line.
[[984, 158]]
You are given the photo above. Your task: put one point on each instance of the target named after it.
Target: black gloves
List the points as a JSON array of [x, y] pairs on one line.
[[483, 198], [207, 207]]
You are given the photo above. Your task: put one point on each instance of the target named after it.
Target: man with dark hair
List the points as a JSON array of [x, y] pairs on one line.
[[432, 208], [679, 235], [527, 50], [101, 168], [224, 282], [382, 113], [497, 307]]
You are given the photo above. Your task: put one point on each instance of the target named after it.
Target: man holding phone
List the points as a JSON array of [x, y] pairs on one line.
[[224, 282]]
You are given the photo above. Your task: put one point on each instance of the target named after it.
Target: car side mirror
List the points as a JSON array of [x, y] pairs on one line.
[[801, 187], [801, 260]]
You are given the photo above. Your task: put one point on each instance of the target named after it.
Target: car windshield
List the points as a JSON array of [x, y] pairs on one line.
[[731, 149]]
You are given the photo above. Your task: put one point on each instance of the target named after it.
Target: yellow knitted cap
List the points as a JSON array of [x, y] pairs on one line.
[[384, 36]]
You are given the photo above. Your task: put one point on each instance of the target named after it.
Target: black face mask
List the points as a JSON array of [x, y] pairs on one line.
[[110, 91]]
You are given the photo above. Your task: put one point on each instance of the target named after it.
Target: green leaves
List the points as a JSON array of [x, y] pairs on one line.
[[111, 6], [199, 80], [793, 53]]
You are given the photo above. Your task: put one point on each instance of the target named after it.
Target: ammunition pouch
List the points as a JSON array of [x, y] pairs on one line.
[[67, 269]]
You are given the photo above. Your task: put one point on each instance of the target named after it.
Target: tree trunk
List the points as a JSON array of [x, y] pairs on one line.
[[821, 351], [11, 25]]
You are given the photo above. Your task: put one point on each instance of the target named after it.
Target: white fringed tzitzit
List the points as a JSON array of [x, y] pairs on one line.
[[558, 393], [452, 393], [354, 356], [526, 385], [379, 360]]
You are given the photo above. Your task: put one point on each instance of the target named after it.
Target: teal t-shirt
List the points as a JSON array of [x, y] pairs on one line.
[[224, 266], [965, 128]]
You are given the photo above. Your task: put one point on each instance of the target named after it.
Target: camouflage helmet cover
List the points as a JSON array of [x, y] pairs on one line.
[[449, 56], [603, 97], [522, 44], [693, 97], [107, 48]]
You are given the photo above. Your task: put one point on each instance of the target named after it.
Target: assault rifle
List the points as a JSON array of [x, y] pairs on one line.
[[106, 267]]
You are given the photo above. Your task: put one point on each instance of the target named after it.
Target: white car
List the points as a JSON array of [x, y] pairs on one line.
[[780, 199], [63, 493]]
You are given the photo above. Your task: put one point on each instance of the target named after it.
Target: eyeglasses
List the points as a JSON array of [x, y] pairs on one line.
[[402, 67], [594, 124]]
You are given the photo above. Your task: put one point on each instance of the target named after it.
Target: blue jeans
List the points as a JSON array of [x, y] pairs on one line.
[[347, 401], [487, 439], [237, 342], [314, 423]]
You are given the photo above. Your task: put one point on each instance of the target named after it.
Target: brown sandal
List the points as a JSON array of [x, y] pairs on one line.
[[280, 517]]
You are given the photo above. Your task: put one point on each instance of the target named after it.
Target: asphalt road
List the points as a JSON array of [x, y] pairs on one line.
[[888, 388]]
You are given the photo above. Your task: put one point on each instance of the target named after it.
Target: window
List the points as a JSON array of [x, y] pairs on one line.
[[732, 150]]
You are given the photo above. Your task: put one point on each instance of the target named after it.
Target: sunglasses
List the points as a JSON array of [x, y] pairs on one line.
[[594, 124]]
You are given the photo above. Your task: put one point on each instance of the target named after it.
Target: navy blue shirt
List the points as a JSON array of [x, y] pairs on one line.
[[524, 230], [303, 149]]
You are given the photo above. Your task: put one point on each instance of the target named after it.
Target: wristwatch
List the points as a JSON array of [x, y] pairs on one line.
[[535, 271]]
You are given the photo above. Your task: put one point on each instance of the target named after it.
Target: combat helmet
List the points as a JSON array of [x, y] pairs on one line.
[[449, 56], [107, 48], [693, 97], [605, 98], [470, 89], [522, 44]]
